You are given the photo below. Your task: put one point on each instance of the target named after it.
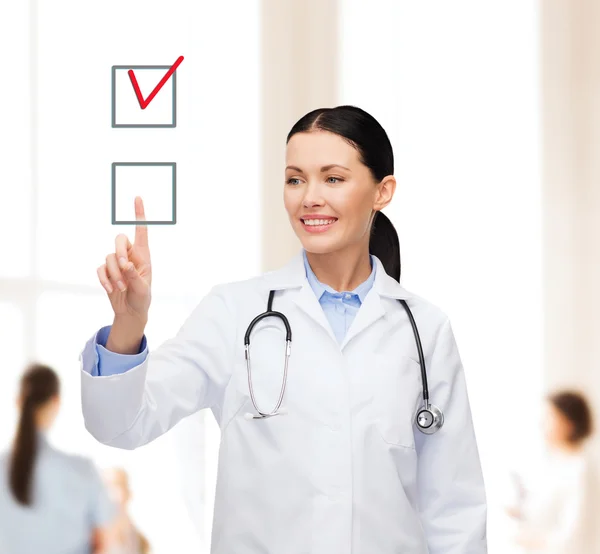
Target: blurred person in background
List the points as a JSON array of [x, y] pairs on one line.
[[50, 502], [123, 537], [556, 513]]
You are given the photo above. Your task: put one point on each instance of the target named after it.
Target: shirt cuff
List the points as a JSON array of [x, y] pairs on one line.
[[100, 362]]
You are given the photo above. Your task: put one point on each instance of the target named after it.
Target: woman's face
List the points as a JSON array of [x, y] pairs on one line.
[[329, 195], [558, 428]]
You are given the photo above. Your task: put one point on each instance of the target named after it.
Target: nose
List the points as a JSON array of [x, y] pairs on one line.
[[312, 196]]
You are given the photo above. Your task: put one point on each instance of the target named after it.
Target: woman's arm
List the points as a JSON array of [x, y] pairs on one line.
[[182, 376], [144, 543], [99, 542], [451, 487]]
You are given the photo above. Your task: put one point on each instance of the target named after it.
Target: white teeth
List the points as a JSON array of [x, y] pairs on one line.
[[318, 221]]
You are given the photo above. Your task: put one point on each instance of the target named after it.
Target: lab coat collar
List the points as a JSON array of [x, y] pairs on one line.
[[293, 275], [321, 288]]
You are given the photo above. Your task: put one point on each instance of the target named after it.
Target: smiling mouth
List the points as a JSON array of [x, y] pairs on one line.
[[315, 222], [317, 225]]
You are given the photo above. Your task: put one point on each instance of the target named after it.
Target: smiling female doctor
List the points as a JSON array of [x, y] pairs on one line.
[[344, 466]]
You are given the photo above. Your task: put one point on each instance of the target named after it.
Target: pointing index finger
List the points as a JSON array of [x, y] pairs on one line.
[[141, 231]]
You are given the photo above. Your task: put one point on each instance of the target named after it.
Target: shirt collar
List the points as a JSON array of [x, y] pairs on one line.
[[320, 288]]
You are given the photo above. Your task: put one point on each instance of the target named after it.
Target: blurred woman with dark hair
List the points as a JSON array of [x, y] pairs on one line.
[[557, 515], [50, 501]]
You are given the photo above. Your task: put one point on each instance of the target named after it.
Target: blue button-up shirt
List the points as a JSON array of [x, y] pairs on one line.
[[69, 502], [340, 308]]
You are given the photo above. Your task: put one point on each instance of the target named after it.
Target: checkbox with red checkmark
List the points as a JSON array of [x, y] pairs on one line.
[[144, 95]]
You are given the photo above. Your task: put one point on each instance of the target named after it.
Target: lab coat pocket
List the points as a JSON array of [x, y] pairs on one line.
[[397, 392]]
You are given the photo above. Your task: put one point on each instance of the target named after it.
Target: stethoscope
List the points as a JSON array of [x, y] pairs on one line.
[[428, 419]]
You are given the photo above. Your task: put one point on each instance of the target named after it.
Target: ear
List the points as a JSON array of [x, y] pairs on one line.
[[385, 192]]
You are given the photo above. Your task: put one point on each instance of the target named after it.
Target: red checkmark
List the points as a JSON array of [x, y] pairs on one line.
[[138, 92]]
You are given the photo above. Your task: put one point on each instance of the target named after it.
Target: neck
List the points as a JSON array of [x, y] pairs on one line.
[[342, 270], [568, 448]]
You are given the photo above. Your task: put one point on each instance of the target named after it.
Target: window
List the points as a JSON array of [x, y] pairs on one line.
[[16, 223], [50, 300], [460, 104], [214, 143], [12, 346]]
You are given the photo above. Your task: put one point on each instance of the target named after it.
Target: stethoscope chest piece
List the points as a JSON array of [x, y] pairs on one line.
[[429, 419]]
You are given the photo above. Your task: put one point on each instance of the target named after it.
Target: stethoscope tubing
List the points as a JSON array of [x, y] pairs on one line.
[[436, 415], [420, 352]]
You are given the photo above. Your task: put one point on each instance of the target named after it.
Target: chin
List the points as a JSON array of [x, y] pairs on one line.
[[316, 245]]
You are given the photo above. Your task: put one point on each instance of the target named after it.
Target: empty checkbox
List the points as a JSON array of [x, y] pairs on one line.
[[155, 182]]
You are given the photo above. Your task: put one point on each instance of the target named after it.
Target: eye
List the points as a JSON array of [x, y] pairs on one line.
[[336, 178], [292, 179]]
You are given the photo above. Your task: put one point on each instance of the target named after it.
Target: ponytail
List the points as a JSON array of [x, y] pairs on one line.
[[38, 385], [385, 245], [24, 454]]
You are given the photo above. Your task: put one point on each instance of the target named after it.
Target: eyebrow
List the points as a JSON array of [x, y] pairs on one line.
[[324, 168]]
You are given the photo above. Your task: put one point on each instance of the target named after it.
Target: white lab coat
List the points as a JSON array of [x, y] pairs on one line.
[[559, 512], [344, 470]]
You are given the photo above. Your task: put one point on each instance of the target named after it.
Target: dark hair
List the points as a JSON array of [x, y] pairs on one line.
[[364, 133], [574, 406], [39, 384]]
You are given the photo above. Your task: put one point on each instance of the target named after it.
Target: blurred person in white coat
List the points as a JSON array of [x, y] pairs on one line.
[[333, 463], [50, 501], [558, 510]]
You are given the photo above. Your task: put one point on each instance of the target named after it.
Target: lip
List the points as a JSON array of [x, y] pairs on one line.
[[316, 229], [317, 216]]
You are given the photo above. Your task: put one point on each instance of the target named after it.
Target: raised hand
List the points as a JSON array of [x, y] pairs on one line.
[[127, 275]]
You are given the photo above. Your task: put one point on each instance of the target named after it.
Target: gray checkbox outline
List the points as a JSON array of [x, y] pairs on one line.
[[114, 221], [173, 77]]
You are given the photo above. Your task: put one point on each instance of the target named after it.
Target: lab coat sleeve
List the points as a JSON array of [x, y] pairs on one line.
[[183, 375], [452, 500]]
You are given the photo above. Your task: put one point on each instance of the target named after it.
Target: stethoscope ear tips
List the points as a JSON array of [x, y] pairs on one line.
[[429, 420]]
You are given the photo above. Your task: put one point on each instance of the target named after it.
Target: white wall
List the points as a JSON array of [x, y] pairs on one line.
[[571, 122]]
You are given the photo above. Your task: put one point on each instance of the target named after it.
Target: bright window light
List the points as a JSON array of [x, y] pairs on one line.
[[216, 146]]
